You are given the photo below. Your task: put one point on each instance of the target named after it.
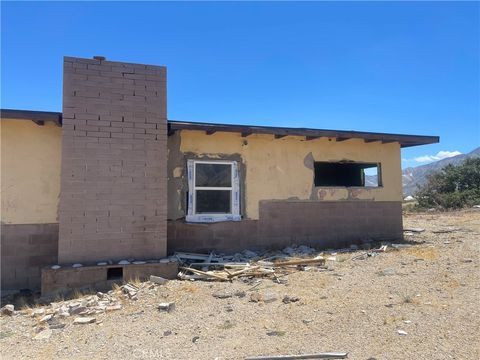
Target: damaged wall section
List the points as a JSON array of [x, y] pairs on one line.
[[280, 169]]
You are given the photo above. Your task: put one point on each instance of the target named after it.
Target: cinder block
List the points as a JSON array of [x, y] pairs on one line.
[[113, 104]]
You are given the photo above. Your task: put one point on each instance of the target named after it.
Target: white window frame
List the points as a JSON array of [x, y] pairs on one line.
[[234, 189]]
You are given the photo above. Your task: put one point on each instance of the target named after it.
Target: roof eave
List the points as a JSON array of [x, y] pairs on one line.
[[309, 134]]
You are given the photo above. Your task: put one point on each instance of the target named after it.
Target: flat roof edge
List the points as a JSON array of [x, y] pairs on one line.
[[405, 140], [38, 117]]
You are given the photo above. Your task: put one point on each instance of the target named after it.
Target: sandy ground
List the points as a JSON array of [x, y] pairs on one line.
[[430, 290]]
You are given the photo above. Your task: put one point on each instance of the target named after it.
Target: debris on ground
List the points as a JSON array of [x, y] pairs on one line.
[[8, 309], [158, 280], [248, 264], [167, 306], [289, 299], [414, 230], [83, 320], [210, 313], [446, 230], [328, 355]]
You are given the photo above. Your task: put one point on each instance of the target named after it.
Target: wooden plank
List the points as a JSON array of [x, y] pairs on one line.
[[326, 355], [243, 271], [199, 272], [415, 230], [319, 260]]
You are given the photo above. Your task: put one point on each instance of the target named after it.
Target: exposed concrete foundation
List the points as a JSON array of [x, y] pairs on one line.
[[322, 224], [101, 278]]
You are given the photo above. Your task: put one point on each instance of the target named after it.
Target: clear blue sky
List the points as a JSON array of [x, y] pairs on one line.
[[374, 66]]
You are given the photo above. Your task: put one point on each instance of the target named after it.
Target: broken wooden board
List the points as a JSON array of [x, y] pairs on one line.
[[415, 230], [317, 260], [209, 274], [326, 355]]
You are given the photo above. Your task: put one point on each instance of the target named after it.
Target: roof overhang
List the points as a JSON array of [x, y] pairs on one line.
[[40, 117], [309, 134]]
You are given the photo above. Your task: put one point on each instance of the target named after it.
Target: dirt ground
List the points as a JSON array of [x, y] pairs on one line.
[[430, 290]]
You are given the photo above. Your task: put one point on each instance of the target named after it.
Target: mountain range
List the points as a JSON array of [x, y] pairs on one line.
[[414, 177]]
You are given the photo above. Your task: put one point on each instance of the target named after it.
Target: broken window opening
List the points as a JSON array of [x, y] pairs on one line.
[[347, 174], [213, 191]]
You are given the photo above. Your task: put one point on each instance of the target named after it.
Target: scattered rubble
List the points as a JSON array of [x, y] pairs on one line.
[[158, 280], [8, 309], [43, 335], [84, 320], [222, 294], [401, 332], [167, 306], [387, 272], [414, 230], [275, 333], [289, 299]]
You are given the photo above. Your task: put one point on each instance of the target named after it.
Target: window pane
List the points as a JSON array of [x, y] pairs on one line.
[[213, 175], [213, 201]]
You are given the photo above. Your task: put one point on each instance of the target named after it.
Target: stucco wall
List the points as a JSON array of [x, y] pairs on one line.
[[30, 167], [279, 169]]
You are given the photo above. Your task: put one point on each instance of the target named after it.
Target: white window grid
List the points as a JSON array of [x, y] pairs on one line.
[[234, 188]]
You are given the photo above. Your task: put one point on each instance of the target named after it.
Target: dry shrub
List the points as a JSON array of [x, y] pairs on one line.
[[189, 287], [424, 253]]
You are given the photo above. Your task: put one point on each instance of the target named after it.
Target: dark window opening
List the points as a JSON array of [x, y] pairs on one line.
[[115, 273], [347, 174]]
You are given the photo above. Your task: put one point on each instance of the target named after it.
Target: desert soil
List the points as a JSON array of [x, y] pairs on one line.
[[430, 290]]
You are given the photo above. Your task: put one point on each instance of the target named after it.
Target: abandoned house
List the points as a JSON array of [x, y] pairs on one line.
[[110, 178]]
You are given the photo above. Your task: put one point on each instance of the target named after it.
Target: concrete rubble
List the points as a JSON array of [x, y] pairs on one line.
[[8, 309], [247, 266]]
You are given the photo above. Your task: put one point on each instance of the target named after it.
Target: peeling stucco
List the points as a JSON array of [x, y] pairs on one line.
[[281, 169]]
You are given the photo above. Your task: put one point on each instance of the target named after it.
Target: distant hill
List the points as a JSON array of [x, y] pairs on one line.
[[413, 177]]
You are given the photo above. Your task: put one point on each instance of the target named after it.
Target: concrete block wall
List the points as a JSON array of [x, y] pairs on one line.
[[321, 224], [113, 199], [25, 249]]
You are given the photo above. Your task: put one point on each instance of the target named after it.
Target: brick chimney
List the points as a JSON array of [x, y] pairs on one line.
[[113, 200]]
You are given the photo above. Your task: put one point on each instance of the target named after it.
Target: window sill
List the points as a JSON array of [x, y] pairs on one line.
[[348, 187], [212, 218]]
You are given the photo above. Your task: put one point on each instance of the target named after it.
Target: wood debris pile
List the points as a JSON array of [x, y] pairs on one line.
[[223, 268]]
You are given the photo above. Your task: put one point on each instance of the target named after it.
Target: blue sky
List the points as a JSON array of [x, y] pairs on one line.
[[409, 67]]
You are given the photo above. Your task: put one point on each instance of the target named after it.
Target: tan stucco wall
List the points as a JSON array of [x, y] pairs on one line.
[[30, 166], [283, 168]]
